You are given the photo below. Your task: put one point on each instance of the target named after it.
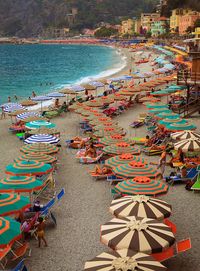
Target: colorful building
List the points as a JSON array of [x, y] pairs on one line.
[[147, 19], [159, 26], [127, 27], [175, 18], [137, 25], [187, 21], [196, 33]]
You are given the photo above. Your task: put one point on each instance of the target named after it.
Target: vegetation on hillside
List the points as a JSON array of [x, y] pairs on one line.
[[172, 4]]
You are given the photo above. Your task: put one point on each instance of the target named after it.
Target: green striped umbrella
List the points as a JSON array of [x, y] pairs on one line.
[[47, 159], [160, 93], [172, 121], [39, 148], [39, 124], [123, 159], [120, 148], [134, 169], [106, 99], [118, 97], [50, 131], [180, 127], [159, 110], [95, 103], [109, 140], [109, 131], [94, 116], [13, 203], [20, 184], [27, 168], [169, 115], [10, 231], [100, 120], [142, 186], [155, 105], [106, 125]]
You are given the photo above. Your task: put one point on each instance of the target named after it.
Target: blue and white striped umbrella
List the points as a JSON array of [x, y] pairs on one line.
[[40, 124], [77, 88], [97, 84], [42, 138], [56, 95], [11, 107], [41, 98], [27, 114]]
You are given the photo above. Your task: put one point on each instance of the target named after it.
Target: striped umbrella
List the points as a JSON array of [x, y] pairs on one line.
[[20, 184], [41, 98], [55, 95], [95, 116], [95, 103], [133, 169], [11, 107], [109, 131], [28, 168], [159, 110], [173, 121], [123, 159], [118, 97], [104, 125], [100, 120], [40, 157], [123, 260], [138, 234], [180, 127], [10, 231], [141, 206], [185, 135], [170, 115], [39, 124], [126, 93], [120, 148], [27, 114], [34, 118], [40, 148], [188, 145], [141, 186], [106, 99], [109, 140], [13, 203], [155, 105], [50, 131], [42, 138], [28, 103]]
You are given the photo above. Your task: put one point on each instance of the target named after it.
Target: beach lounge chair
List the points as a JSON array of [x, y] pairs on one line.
[[139, 140], [113, 179], [196, 185], [20, 267], [88, 160], [191, 173], [60, 195]]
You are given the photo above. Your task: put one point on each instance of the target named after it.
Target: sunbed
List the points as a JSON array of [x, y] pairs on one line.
[[196, 185], [191, 173], [88, 160]]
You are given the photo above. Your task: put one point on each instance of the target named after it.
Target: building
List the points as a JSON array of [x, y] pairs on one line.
[[137, 25], [159, 26], [196, 33], [187, 21], [127, 27], [56, 33], [175, 18], [147, 19]]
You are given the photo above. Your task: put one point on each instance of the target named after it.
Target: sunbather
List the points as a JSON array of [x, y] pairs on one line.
[[40, 231], [91, 151], [77, 143], [102, 171]]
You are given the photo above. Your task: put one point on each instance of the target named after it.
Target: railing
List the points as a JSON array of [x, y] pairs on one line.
[[188, 108], [187, 76]]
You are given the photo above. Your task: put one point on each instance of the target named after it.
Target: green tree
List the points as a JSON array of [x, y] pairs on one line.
[[105, 32], [197, 23]]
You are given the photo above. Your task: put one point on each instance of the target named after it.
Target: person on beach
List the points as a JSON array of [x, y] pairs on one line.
[[40, 232], [86, 92], [64, 107], [9, 99], [91, 97], [162, 162], [57, 103], [33, 94], [15, 97], [91, 151], [3, 114]]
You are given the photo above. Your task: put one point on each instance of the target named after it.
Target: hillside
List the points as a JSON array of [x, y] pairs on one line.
[[26, 18], [172, 4]]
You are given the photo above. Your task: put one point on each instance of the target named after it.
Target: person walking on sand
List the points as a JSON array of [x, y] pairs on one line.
[[3, 114], [162, 162], [9, 99], [33, 94], [40, 232]]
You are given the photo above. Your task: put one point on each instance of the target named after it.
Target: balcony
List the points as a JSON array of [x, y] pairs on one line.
[[187, 77]]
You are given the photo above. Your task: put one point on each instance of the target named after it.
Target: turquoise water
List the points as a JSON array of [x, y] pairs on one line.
[[44, 68]]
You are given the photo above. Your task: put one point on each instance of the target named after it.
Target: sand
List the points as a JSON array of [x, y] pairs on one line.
[[84, 208]]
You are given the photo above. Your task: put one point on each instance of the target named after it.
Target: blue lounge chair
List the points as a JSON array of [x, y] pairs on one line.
[[60, 195], [191, 173], [114, 179], [20, 267]]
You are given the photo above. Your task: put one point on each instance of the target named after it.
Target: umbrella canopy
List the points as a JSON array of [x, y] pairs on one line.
[[100, 121], [17, 112], [105, 125], [185, 135], [11, 107], [109, 131], [155, 105], [117, 97], [41, 98], [89, 86], [109, 140], [40, 148], [141, 206], [174, 120], [123, 159], [39, 124], [27, 114], [13, 203], [138, 234], [170, 115], [159, 110], [188, 145], [20, 184], [56, 95], [126, 93], [142, 186], [50, 131], [34, 118], [95, 103], [28, 103], [133, 169], [40, 157], [120, 148], [42, 138], [97, 84], [106, 99], [180, 126], [94, 116], [10, 231], [123, 260], [27, 168]]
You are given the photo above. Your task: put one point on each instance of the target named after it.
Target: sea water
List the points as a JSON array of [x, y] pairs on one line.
[[46, 68]]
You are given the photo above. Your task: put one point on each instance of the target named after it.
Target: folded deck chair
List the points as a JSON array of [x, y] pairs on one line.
[[113, 179], [20, 267], [98, 176], [196, 185]]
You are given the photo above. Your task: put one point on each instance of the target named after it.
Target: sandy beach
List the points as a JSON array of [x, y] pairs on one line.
[[84, 208]]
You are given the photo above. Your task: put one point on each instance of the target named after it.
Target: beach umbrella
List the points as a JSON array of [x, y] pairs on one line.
[[140, 206], [27, 114], [105, 99], [55, 95], [68, 91], [88, 86], [95, 116], [28, 103], [77, 88], [10, 231], [185, 135], [41, 99], [106, 125], [123, 159], [20, 184], [188, 145], [95, 103], [160, 93], [117, 97], [11, 107], [97, 121], [109, 140], [174, 120], [39, 124], [97, 84], [42, 138], [155, 105], [34, 118], [159, 110], [50, 131], [120, 148], [17, 112], [123, 260], [138, 234], [168, 115], [133, 169], [141, 186], [28, 168], [108, 131], [39, 148], [40, 157], [126, 93], [180, 126], [13, 203]]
